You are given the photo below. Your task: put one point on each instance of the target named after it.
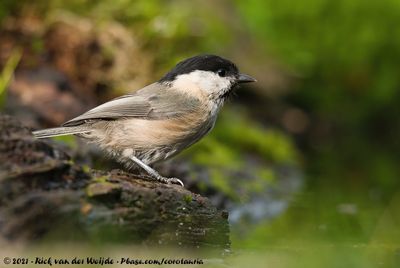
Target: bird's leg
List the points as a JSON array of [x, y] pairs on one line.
[[154, 174]]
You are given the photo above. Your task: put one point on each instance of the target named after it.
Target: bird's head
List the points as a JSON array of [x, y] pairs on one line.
[[207, 75]]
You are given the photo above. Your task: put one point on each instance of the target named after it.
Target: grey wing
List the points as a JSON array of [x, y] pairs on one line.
[[151, 102]]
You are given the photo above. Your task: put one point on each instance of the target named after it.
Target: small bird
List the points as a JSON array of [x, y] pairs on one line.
[[158, 121]]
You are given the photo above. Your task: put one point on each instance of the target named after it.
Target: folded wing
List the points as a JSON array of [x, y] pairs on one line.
[[151, 102]]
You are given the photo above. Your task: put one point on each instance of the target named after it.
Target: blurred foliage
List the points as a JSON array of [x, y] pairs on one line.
[[170, 24], [7, 73], [344, 52], [67, 140], [345, 56], [242, 156]]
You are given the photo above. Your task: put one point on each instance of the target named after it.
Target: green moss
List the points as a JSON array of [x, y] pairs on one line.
[[187, 198], [101, 179], [86, 168], [101, 189]]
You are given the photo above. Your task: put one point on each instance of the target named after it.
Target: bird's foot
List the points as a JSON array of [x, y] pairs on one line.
[[170, 180]]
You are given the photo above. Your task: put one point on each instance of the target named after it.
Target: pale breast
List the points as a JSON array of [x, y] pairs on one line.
[[174, 134]]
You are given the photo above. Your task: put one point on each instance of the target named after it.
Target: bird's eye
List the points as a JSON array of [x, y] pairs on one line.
[[221, 72]]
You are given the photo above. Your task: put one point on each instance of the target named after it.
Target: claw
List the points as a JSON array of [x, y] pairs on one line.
[[154, 174], [175, 181], [170, 180]]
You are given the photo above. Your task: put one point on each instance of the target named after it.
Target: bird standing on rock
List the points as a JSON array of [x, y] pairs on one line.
[[160, 120]]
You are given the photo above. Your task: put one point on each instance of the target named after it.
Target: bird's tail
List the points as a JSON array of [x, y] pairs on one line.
[[59, 131]]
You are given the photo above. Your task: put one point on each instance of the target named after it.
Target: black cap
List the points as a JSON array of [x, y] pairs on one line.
[[211, 63]]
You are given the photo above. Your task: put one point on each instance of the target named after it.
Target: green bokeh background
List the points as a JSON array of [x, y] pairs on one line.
[[339, 62]]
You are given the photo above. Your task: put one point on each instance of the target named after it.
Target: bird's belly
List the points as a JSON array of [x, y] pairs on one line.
[[155, 140]]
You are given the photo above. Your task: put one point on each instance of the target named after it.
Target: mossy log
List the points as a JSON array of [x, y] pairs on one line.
[[44, 195]]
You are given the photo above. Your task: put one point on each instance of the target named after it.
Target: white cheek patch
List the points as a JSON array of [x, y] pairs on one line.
[[202, 82]]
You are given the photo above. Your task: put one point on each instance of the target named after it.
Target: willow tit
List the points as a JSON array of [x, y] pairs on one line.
[[160, 120]]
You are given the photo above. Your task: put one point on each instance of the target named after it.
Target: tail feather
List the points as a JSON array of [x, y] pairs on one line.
[[59, 131]]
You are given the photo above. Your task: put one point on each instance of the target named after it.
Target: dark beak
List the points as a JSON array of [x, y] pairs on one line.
[[244, 78]]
